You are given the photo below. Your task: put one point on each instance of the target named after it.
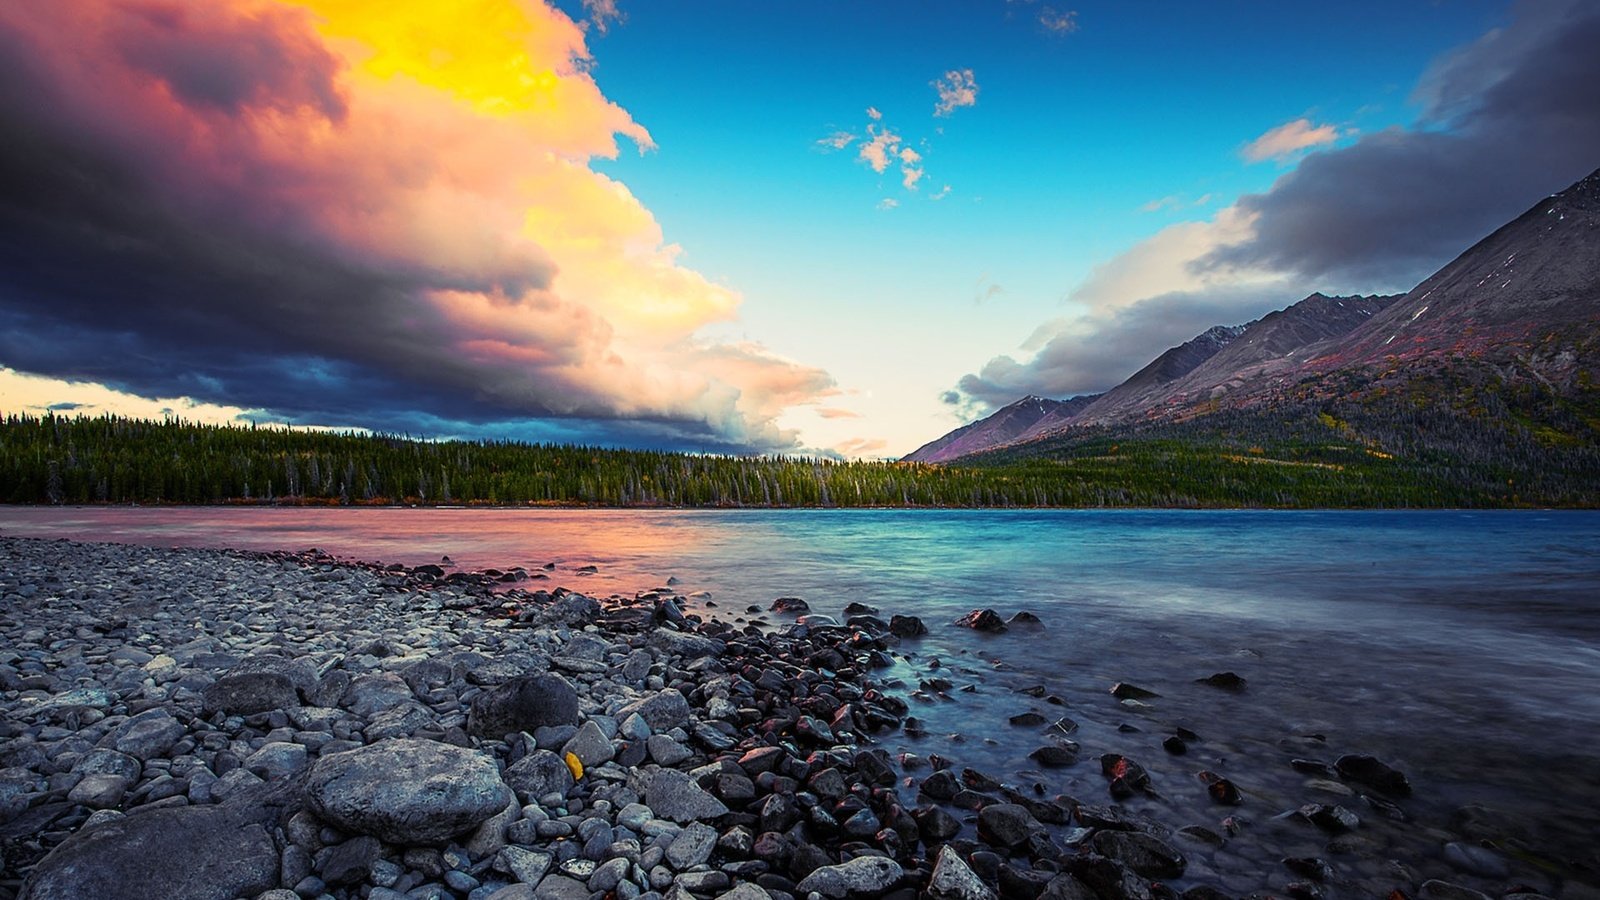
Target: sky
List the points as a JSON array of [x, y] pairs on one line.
[[825, 228]]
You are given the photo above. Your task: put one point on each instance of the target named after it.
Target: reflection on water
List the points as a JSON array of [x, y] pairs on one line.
[[1464, 647]]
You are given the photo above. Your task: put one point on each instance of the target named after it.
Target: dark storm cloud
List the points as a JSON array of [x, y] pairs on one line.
[[1509, 118]]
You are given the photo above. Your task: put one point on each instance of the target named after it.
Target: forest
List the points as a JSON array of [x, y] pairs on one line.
[[1327, 456]]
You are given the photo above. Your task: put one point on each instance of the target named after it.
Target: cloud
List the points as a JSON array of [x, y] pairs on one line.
[[856, 447], [880, 149], [985, 290], [1058, 23], [381, 215], [836, 141], [834, 412], [602, 13], [940, 194], [956, 89], [910, 168], [1289, 139], [888, 203], [1505, 120], [1171, 201], [873, 114]]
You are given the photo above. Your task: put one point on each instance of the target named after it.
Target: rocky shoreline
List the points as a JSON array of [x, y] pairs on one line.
[[219, 724]]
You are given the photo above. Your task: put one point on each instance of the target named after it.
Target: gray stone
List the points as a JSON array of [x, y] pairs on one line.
[[665, 750], [277, 759], [674, 795], [1144, 854], [953, 879], [108, 762], [745, 891], [402, 720], [178, 853], [590, 746], [692, 846], [513, 892], [372, 694], [147, 735], [250, 692], [491, 835], [349, 862], [690, 646], [662, 711], [537, 774], [862, 876], [526, 865], [608, 875], [637, 666], [525, 703], [560, 887], [99, 791], [407, 791], [1006, 824]]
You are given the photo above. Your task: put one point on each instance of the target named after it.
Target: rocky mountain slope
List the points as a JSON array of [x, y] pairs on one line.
[[1005, 426]]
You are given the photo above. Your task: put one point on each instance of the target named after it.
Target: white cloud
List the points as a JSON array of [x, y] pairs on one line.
[[956, 89], [888, 203], [602, 13], [879, 151], [941, 194], [1057, 22], [836, 141], [910, 170], [1288, 139], [873, 114]]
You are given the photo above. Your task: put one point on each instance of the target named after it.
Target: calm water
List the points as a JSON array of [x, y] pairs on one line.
[[1462, 647]]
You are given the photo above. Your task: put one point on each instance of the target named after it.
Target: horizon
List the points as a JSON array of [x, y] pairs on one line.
[[724, 229]]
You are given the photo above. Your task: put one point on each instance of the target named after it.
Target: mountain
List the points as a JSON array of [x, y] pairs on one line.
[[1002, 427], [1270, 348], [1478, 387], [1154, 380]]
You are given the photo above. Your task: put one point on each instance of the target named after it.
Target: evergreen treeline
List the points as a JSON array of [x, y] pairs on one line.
[[1474, 448]]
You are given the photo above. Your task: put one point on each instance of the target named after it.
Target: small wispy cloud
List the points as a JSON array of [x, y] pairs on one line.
[[985, 290], [603, 13], [873, 114], [1057, 22], [836, 141], [910, 168], [940, 194], [956, 89], [862, 446], [888, 203], [1288, 139], [880, 151], [835, 412]]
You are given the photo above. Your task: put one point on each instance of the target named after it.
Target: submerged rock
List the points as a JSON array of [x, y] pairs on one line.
[[982, 620], [1374, 773]]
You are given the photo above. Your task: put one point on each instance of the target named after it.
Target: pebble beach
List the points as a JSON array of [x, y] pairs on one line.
[[220, 724]]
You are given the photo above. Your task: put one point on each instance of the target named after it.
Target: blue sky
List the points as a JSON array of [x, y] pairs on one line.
[[486, 252]]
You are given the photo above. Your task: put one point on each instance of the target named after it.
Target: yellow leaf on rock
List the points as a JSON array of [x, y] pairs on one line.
[[575, 764]]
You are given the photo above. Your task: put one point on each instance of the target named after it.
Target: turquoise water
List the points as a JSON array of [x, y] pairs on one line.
[[1463, 647]]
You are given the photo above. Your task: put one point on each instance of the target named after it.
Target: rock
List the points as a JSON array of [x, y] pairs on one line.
[[1227, 681], [1025, 619], [866, 876], [1374, 773], [1434, 889], [935, 825], [986, 620], [1006, 824], [953, 879], [662, 711], [789, 605], [1055, 756], [666, 751], [525, 703], [406, 791], [941, 785], [674, 795], [1125, 691], [907, 626], [528, 866], [745, 891], [1127, 777], [561, 887], [250, 692], [1334, 819], [590, 746], [178, 853], [1028, 719], [349, 862], [1068, 887], [1476, 860], [692, 846], [369, 695], [1142, 853], [539, 773], [147, 735], [1221, 789], [276, 759], [99, 791], [689, 646]]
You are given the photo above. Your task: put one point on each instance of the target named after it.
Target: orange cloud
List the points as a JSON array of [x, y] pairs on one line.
[[443, 151], [1288, 139]]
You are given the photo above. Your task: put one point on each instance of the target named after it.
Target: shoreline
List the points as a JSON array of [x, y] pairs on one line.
[[374, 657]]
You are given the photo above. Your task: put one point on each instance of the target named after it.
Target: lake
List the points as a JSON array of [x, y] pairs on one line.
[[1462, 647]]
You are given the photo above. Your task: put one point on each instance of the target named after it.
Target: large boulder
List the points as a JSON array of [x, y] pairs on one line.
[[407, 791], [180, 853], [524, 703]]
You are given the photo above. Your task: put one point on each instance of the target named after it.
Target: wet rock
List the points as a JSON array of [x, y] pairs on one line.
[[445, 791], [1330, 818], [1028, 719], [1068, 887], [1227, 681], [1175, 745], [1025, 619], [1309, 867], [1055, 756], [1435, 889], [864, 876], [539, 773], [179, 853], [1127, 777], [907, 626], [953, 879], [1476, 860], [1142, 853], [935, 825], [790, 605], [674, 795], [1125, 691], [1006, 824], [1221, 789], [941, 785], [986, 620], [1374, 773], [525, 703]]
